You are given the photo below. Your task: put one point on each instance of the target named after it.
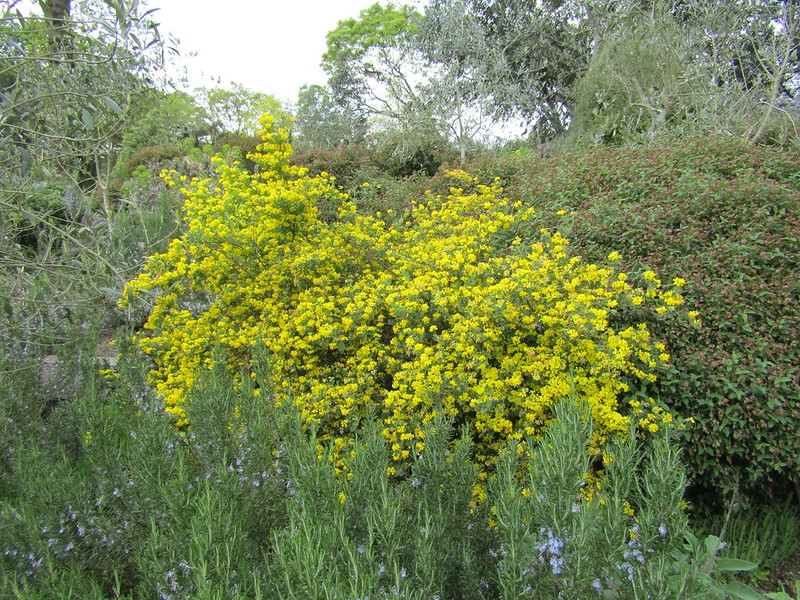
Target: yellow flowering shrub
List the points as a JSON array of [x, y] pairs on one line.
[[449, 312]]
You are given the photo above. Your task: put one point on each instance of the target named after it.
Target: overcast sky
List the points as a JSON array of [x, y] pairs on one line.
[[271, 46]]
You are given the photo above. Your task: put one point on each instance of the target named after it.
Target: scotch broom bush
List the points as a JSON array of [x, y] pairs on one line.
[[447, 314]]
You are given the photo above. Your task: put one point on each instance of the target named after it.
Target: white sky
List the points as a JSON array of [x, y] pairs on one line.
[[271, 46]]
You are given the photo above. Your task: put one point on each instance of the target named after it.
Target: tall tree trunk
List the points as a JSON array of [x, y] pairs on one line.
[[57, 15]]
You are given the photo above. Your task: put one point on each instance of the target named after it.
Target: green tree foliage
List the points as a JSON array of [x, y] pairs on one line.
[[638, 83], [371, 61], [64, 106], [63, 113], [174, 119], [324, 124], [523, 55], [624, 67], [237, 110], [379, 69], [754, 55], [376, 68], [693, 67]]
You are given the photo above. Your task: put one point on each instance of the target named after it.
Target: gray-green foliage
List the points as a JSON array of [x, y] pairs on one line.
[[381, 71], [699, 66], [639, 82], [751, 52], [323, 124], [63, 106], [524, 56], [617, 70], [101, 497], [63, 110], [367, 535], [554, 543], [73, 276], [121, 500]]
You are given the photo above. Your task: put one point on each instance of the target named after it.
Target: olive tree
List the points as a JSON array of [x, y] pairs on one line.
[[324, 124], [614, 69], [71, 73], [381, 69]]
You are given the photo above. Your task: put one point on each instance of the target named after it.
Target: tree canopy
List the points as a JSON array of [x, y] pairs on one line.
[[593, 68]]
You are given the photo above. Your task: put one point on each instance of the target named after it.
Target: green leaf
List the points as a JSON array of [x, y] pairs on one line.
[[713, 544], [690, 537], [675, 582], [25, 159], [111, 292], [745, 592], [779, 596], [735, 564], [112, 105], [87, 119]]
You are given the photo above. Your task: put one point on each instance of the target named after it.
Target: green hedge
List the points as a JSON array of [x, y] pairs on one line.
[[725, 216]]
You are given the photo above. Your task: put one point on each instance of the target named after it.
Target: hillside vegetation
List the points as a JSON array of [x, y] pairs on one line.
[[409, 360]]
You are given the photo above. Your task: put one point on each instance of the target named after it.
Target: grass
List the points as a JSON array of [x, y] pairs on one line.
[[763, 534]]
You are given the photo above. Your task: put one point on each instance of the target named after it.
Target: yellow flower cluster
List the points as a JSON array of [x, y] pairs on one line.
[[444, 314], [650, 416]]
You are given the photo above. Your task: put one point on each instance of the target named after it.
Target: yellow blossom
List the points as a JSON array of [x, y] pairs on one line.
[[357, 315]]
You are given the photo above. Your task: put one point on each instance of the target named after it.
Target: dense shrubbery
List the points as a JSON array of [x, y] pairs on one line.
[[151, 154], [359, 172], [173, 120], [417, 149], [245, 143], [726, 216], [450, 313], [343, 163], [104, 498], [101, 496]]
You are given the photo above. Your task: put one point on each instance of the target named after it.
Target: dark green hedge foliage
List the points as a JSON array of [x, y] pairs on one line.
[[152, 155], [725, 216]]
